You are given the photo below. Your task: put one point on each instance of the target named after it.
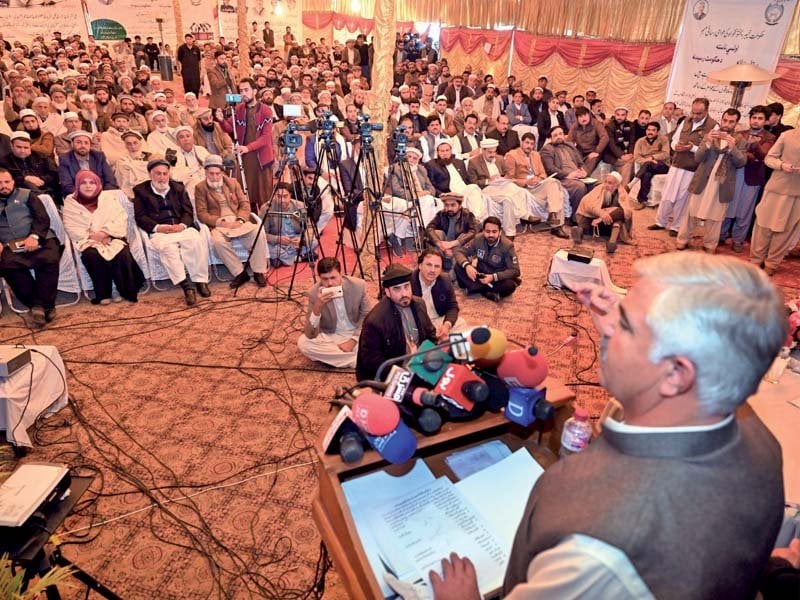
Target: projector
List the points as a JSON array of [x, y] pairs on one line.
[[580, 254], [12, 359]]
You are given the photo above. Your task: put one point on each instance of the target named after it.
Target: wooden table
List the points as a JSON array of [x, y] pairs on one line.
[[331, 512]]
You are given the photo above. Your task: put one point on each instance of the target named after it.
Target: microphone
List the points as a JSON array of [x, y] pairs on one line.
[[374, 414], [396, 446], [463, 388], [525, 367], [429, 363], [483, 343], [526, 405], [424, 419], [344, 438]]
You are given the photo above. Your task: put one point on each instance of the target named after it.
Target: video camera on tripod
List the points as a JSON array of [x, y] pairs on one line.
[[290, 140], [365, 129], [400, 139]]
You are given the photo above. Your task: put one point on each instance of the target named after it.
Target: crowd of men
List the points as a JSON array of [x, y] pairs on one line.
[[486, 162]]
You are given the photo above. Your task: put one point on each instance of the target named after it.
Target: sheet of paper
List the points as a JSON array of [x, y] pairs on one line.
[[500, 492], [373, 491], [426, 525]]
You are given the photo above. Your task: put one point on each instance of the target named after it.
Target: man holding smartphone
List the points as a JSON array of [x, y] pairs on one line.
[[26, 242], [337, 306]]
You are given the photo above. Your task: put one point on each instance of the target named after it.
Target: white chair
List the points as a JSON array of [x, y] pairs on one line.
[[68, 280], [134, 244], [241, 249]]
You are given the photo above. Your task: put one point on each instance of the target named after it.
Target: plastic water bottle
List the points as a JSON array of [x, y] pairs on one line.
[[577, 432]]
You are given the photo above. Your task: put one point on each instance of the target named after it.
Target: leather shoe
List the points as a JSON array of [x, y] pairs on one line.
[[673, 233], [202, 289], [656, 227], [260, 279], [37, 316], [190, 296], [560, 233], [50, 314], [239, 280], [493, 296]]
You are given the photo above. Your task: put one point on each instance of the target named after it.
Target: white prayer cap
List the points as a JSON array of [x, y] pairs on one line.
[[441, 97], [27, 112], [396, 100], [591, 90], [156, 113], [444, 141], [286, 90], [79, 133], [187, 94], [403, 88], [616, 176], [160, 95], [71, 115], [489, 143], [625, 108], [416, 151], [41, 100], [183, 128], [86, 97], [20, 135]]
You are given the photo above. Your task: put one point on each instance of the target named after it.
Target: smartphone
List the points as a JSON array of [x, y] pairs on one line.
[[17, 245], [334, 292]]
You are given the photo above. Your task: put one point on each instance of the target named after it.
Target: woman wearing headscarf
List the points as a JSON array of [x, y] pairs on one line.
[[97, 224]]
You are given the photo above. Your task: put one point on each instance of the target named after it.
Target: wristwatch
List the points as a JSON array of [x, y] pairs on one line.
[[34, 236]]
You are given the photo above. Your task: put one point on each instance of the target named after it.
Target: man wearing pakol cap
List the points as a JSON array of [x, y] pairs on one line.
[[222, 205], [621, 141], [131, 168], [111, 142], [451, 227], [712, 187], [396, 325], [81, 156], [31, 170], [127, 104], [609, 209], [41, 142], [163, 210], [209, 134], [489, 265], [28, 244]]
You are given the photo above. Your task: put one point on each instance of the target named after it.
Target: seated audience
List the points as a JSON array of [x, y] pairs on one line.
[[608, 209], [489, 265], [97, 225], [434, 287]]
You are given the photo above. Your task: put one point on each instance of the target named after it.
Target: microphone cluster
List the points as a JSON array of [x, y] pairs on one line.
[[456, 381]]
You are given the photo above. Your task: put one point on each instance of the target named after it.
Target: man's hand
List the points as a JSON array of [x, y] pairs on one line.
[[241, 150], [682, 147], [443, 332], [601, 302], [593, 155], [494, 177], [787, 167], [30, 244], [606, 217], [458, 582], [348, 345], [626, 158], [322, 299], [486, 279], [790, 554], [472, 272], [34, 180], [100, 236], [233, 224]]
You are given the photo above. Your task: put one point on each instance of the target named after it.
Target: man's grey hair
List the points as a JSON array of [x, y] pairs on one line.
[[721, 313]]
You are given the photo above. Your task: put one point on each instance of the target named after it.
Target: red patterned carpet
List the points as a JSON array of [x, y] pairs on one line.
[[210, 413]]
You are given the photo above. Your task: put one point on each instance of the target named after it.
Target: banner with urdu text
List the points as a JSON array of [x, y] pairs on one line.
[[114, 20], [22, 21], [716, 34]]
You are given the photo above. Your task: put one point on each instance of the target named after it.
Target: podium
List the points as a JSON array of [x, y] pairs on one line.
[[330, 510]]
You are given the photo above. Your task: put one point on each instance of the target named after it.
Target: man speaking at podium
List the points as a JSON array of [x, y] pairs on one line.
[[684, 497]]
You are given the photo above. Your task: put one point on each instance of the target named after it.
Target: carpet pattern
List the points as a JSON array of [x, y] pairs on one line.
[[169, 401]]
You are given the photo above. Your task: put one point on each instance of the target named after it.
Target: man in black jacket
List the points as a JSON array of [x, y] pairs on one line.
[[434, 287], [489, 266], [396, 325], [163, 210], [453, 226], [31, 170], [619, 151]]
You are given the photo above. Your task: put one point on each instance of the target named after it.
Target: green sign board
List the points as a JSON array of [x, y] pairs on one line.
[[108, 29]]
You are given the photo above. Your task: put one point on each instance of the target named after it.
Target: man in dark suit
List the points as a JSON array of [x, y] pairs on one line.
[[552, 117], [434, 287], [30, 169], [83, 157], [506, 137], [396, 325], [268, 35], [163, 210]]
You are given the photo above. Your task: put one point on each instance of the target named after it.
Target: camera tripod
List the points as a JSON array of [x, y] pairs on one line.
[[289, 162]]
